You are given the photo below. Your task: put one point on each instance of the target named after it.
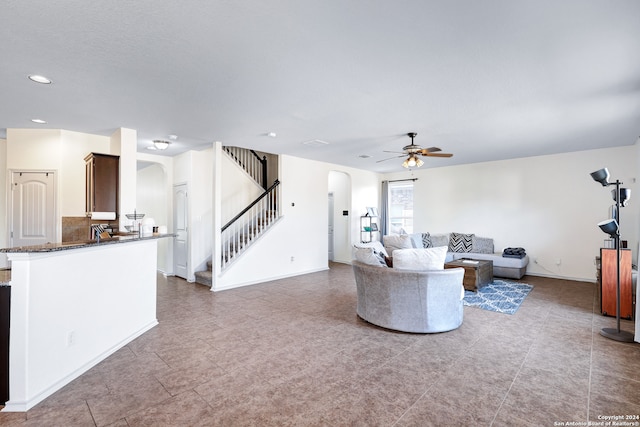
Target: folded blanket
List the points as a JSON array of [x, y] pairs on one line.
[[514, 256], [514, 252]]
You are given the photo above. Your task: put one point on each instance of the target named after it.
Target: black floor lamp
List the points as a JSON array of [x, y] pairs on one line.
[[612, 228]]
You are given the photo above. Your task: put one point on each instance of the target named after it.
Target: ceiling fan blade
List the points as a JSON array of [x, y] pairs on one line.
[[437, 154], [394, 157], [395, 152], [430, 150]]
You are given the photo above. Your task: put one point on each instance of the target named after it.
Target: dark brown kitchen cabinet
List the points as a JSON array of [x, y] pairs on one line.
[[102, 175], [5, 320]]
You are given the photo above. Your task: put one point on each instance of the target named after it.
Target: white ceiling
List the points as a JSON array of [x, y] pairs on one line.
[[483, 79]]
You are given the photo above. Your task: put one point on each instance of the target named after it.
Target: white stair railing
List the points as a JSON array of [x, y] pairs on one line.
[[251, 162], [243, 230]]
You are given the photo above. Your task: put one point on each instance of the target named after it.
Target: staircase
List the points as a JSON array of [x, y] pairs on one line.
[[249, 225], [205, 277], [252, 222], [250, 162]]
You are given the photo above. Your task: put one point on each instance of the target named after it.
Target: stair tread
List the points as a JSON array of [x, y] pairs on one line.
[[204, 277]]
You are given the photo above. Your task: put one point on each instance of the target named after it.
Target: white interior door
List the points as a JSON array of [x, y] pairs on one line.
[[33, 217], [181, 240]]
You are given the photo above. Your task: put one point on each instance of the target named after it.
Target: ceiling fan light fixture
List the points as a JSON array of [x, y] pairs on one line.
[[412, 161]]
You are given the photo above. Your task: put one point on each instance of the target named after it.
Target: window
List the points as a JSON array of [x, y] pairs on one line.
[[401, 207]]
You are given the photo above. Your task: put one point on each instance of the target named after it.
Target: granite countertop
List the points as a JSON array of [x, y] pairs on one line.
[[54, 247]]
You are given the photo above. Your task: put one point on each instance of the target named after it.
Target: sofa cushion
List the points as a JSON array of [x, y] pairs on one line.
[[396, 241], [459, 242], [370, 257], [482, 245], [419, 259]]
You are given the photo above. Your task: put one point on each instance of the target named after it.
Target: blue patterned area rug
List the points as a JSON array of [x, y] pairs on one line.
[[502, 296]]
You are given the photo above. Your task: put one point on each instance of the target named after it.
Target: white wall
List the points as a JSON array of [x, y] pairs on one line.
[[195, 168], [548, 204], [4, 223], [302, 232]]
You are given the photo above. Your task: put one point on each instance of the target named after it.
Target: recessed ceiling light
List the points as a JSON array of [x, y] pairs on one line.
[[39, 121], [39, 79], [173, 137], [315, 143], [364, 156], [272, 134]]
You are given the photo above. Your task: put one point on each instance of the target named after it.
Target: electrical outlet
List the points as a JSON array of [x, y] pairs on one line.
[[293, 259], [558, 261]]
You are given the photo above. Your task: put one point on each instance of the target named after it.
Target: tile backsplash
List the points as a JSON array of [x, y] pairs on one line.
[[75, 228]]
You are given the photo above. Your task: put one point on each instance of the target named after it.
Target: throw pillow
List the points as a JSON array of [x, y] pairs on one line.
[[396, 241], [416, 240], [389, 261], [376, 245], [420, 259], [459, 242], [482, 245], [370, 257], [426, 240], [439, 240]]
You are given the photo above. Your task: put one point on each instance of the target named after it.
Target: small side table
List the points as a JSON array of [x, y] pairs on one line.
[[477, 273]]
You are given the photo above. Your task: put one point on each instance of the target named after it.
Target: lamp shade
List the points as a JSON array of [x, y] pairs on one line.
[[625, 195], [609, 226], [601, 176]]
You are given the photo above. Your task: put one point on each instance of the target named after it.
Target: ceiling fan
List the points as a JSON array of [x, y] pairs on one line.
[[412, 151]]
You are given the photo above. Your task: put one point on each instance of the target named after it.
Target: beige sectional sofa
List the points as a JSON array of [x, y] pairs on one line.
[[460, 246]]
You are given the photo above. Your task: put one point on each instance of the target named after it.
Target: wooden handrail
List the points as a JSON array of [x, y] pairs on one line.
[[252, 204], [262, 161]]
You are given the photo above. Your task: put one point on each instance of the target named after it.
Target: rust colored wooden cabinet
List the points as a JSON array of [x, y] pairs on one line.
[[102, 177], [608, 283]]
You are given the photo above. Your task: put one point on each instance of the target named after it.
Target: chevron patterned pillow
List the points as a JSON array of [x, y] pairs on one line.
[[426, 240], [459, 242]]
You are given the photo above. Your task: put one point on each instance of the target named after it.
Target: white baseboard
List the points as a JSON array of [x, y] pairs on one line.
[[268, 279], [553, 276]]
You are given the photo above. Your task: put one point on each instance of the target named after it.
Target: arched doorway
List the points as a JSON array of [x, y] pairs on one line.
[[154, 200]]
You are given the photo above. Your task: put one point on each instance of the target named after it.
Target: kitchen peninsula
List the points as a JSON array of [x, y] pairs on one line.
[[72, 305]]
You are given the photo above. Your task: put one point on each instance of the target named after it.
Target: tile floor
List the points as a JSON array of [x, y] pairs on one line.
[[293, 352]]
